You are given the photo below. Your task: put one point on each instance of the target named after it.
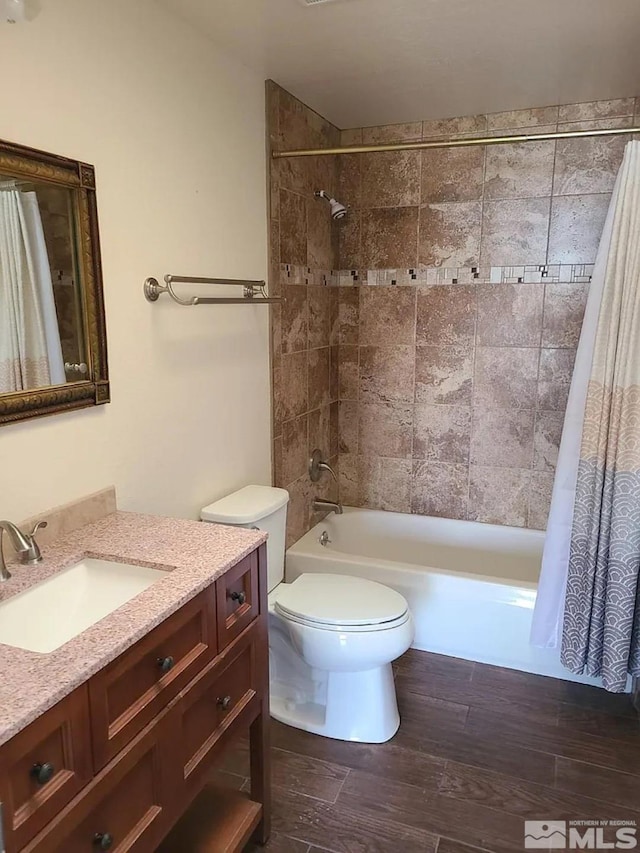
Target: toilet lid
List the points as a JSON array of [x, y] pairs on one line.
[[340, 600]]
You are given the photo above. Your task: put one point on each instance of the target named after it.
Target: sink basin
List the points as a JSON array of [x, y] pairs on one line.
[[51, 613]]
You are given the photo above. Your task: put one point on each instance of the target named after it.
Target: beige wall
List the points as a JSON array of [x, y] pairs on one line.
[[175, 130]]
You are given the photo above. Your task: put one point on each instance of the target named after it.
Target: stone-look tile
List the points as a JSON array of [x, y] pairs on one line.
[[348, 315], [291, 389], [320, 252], [505, 377], [519, 171], [452, 174], [275, 315], [564, 306], [349, 178], [349, 480], [294, 448], [348, 426], [276, 459], [385, 429], [299, 509], [319, 377], [547, 437], [587, 165], [351, 136], [596, 109], [389, 238], [451, 127], [387, 315], [576, 227], [510, 315], [439, 489], [450, 234], [515, 232], [274, 259], [499, 495], [522, 118], [319, 433], [387, 374], [319, 315], [446, 315], [334, 429], [381, 134], [349, 372], [384, 483], [539, 499], [334, 374], [502, 437], [390, 179], [554, 381], [334, 315], [295, 318], [349, 241], [441, 433], [444, 374], [293, 228]]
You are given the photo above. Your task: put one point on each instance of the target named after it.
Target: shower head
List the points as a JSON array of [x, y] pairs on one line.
[[338, 211]]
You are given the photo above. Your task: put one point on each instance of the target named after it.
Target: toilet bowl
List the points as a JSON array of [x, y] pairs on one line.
[[332, 638]]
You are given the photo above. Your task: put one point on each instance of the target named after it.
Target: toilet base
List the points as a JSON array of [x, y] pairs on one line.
[[352, 706]]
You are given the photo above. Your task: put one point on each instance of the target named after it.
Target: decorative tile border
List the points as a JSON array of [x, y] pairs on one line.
[[526, 274]]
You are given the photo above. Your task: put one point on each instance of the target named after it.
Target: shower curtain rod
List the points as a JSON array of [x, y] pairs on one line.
[[451, 143]]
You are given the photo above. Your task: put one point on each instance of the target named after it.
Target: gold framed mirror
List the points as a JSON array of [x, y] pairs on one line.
[[53, 347]]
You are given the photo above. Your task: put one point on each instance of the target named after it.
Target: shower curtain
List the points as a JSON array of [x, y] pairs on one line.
[[30, 349], [588, 593]]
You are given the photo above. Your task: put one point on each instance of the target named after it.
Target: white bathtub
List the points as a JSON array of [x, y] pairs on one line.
[[471, 587]]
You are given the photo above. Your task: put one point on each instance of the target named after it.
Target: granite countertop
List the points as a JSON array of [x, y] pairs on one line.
[[192, 553]]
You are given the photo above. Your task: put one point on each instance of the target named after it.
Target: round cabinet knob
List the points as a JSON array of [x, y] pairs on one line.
[[224, 702], [102, 840], [240, 597], [43, 773], [166, 664]]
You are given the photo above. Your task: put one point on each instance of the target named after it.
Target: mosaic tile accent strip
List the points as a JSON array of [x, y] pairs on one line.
[[526, 274]]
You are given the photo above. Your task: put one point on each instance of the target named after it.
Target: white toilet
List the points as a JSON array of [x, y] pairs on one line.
[[332, 638]]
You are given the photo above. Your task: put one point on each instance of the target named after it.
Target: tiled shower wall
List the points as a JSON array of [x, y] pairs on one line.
[[304, 326], [464, 275]]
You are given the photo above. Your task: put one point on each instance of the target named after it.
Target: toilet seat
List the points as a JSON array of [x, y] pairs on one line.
[[341, 603]]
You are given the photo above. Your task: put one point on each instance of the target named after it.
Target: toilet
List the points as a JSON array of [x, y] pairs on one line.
[[332, 638]]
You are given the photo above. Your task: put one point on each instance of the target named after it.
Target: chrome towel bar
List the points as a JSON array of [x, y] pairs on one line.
[[253, 293]]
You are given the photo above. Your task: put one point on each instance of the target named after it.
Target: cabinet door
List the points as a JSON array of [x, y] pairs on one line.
[[238, 600], [127, 807], [130, 691], [43, 767], [224, 696]]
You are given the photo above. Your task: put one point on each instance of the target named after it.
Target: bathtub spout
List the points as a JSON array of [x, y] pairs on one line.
[[320, 505]]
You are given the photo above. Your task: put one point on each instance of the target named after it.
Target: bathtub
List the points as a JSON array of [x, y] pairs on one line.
[[471, 587]]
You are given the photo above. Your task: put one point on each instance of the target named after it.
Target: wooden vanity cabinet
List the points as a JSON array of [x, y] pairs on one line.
[[118, 763]]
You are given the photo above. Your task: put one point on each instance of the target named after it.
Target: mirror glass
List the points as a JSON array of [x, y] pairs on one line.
[[42, 337]]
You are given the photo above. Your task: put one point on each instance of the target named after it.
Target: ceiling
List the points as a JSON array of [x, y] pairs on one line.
[[368, 62]]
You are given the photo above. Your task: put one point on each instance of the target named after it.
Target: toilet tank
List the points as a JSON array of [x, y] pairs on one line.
[[261, 507]]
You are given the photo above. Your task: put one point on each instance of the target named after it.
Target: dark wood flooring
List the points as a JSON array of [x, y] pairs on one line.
[[480, 749]]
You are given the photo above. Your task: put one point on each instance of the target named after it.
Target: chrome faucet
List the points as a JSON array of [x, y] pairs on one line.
[[24, 543], [320, 505]]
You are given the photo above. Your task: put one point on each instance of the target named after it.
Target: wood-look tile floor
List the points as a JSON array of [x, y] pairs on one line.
[[480, 749]]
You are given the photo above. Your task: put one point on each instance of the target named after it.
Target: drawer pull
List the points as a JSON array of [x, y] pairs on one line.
[[42, 773], [102, 840], [240, 597], [224, 703], [166, 664]]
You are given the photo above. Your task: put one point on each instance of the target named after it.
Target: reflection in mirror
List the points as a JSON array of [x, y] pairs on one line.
[[42, 341]]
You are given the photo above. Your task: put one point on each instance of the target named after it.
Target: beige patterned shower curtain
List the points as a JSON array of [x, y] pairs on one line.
[[30, 349], [601, 628]]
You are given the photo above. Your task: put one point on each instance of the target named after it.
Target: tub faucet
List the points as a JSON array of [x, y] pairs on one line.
[[320, 505], [24, 543]]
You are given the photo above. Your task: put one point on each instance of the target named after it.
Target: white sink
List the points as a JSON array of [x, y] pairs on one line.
[[51, 613]]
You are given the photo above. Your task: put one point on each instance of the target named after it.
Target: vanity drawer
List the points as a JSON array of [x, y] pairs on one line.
[[225, 692], [130, 691], [238, 601], [43, 767], [126, 807]]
